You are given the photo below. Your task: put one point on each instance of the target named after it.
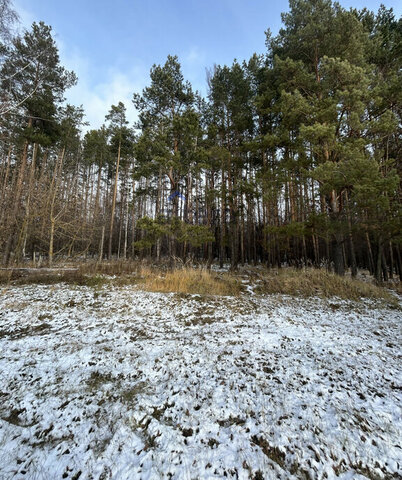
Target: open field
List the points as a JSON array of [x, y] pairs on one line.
[[114, 382]]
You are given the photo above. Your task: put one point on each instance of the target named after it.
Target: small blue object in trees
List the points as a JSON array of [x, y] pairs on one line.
[[176, 194]]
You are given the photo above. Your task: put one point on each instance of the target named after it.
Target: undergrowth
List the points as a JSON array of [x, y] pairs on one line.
[[188, 280], [44, 277], [115, 267], [319, 282]]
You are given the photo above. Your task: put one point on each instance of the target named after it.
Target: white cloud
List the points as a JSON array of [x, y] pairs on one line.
[[194, 64], [98, 96], [26, 17], [194, 56], [113, 85]]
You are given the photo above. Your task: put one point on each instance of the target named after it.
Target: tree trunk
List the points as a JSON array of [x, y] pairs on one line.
[[100, 258], [384, 266], [223, 215], [116, 179], [51, 240], [57, 178], [391, 261], [20, 250], [16, 203], [399, 261], [372, 267], [353, 263], [338, 255], [125, 231], [6, 173], [378, 270]]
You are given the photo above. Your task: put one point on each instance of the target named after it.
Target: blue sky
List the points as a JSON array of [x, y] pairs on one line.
[[112, 44]]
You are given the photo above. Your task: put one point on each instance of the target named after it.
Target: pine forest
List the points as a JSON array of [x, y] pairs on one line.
[[292, 158]]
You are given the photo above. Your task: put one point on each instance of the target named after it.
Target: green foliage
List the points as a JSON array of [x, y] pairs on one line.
[[169, 123], [194, 235], [95, 147], [282, 232], [154, 230], [121, 137], [34, 82], [316, 28]]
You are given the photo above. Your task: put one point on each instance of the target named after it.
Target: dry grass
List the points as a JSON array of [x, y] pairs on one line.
[[5, 276], [317, 282], [394, 285], [89, 273], [286, 281], [113, 267], [189, 280], [49, 277], [156, 279]]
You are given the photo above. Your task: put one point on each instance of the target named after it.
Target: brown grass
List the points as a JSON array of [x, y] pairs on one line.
[[189, 280], [394, 285], [183, 280], [5, 276], [49, 277], [286, 281], [318, 282], [114, 267]]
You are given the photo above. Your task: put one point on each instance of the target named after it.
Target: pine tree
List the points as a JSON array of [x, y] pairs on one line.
[[33, 83], [121, 139], [169, 125]]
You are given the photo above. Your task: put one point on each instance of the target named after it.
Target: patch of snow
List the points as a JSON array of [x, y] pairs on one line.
[[119, 383]]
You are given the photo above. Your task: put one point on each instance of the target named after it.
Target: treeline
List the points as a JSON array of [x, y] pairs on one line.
[[293, 157]]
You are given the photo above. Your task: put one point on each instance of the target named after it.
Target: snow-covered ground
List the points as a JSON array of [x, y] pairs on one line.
[[118, 383]]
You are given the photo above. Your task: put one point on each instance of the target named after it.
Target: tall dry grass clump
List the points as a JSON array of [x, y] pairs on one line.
[[319, 282], [190, 280]]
